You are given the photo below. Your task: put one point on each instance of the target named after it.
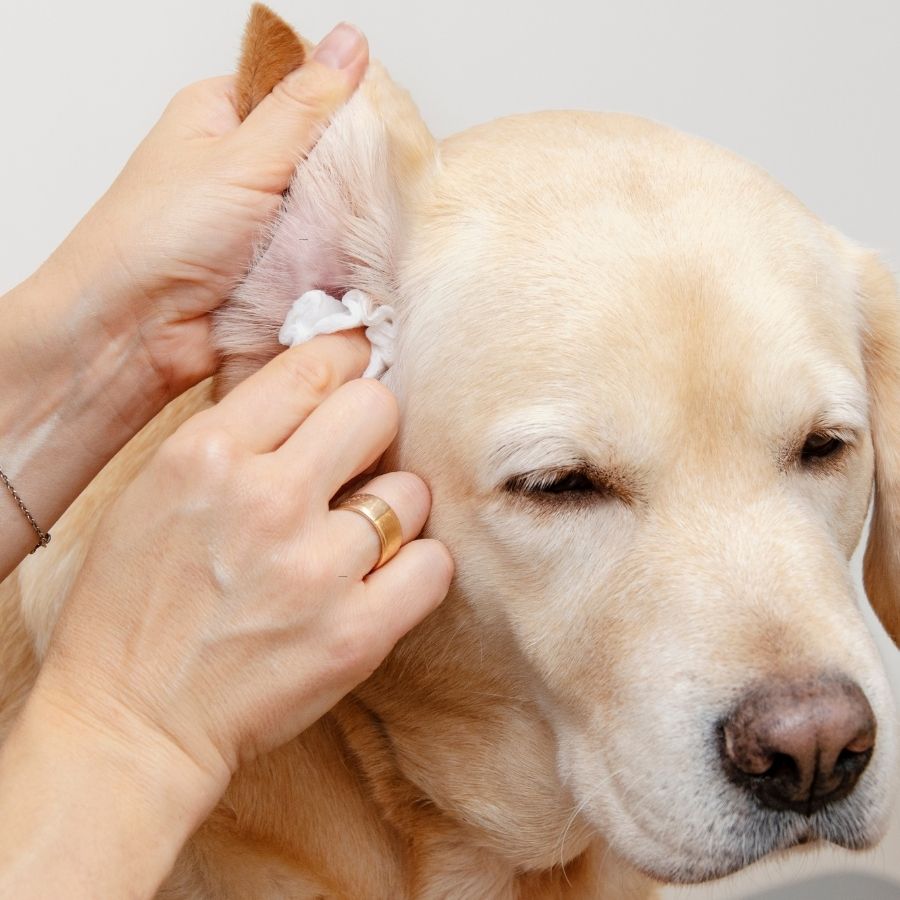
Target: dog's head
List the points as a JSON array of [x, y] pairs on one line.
[[650, 392]]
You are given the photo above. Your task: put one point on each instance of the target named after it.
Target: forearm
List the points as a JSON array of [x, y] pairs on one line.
[[87, 814], [76, 385]]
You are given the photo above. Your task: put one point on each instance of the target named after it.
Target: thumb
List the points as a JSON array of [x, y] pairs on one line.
[[286, 124]]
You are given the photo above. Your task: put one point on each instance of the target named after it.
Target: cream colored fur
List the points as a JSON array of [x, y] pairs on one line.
[[572, 287]]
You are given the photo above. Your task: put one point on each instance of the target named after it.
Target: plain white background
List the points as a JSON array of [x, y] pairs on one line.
[[808, 89]]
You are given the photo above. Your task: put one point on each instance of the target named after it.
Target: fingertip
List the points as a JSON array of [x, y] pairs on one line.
[[345, 47], [417, 493], [420, 574], [331, 75], [347, 353], [443, 564], [288, 122]]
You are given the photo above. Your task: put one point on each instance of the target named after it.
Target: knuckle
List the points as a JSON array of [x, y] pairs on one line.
[[198, 94], [186, 95], [206, 450], [311, 93], [309, 373]]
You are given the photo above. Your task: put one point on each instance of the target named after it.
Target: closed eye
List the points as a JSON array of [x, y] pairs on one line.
[[564, 485]]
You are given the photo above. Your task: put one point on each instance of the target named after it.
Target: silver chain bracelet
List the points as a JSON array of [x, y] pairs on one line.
[[42, 536]]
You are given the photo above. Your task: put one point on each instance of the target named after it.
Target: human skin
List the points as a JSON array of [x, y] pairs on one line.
[[161, 679], [115, 323], [223, 605]]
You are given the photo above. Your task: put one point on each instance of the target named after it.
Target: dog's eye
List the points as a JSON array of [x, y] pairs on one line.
[[569, 483], [820, 445], [565, 484]]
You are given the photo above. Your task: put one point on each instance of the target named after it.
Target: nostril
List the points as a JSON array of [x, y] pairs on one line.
[[783, 766], [850, 762], [846, 758], [798, 745]]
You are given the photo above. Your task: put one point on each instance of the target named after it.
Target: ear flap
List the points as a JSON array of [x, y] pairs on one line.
[[881, 309], [342, 220], [270, 50]]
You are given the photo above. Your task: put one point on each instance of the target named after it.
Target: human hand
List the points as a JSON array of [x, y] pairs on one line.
[[223, 606], [175, 232], [116, 322]]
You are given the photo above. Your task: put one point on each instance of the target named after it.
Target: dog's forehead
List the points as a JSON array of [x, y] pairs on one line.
[[566, 246]]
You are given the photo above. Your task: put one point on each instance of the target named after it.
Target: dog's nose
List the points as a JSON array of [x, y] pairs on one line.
[[799, 745]]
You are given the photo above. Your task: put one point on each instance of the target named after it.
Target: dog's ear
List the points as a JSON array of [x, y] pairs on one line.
[[270, 50], [343, 217], [881, 311]]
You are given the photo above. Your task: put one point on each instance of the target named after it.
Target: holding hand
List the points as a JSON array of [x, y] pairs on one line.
[[175, 232], [116, 322], [223, 607], [236, 606]]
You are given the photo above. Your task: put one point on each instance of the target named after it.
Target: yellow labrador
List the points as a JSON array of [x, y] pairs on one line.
[[650, 392]]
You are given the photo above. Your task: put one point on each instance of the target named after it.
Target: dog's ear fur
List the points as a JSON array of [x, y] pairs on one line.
[[270, 50], [342, 220], [881, 310]]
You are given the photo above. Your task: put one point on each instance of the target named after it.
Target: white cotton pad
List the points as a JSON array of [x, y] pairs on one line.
[[316, 312]]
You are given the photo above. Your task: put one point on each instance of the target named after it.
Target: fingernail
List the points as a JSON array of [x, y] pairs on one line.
[[339, 47]]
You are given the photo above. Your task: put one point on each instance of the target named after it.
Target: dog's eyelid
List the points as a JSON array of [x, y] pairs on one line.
[[540, 479], [543, 438], [567, 482], [846, 434], [846, 410]]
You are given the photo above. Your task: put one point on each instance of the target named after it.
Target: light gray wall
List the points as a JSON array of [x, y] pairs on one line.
[[806, 88]]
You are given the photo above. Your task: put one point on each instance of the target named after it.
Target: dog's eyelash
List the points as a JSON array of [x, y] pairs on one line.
[[560, 485]]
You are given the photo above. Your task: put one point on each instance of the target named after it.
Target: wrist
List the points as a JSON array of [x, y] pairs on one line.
[[82, 339], [100, 810], [76, 387]]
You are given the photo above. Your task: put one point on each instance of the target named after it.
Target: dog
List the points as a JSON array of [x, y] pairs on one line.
[[651, 394]]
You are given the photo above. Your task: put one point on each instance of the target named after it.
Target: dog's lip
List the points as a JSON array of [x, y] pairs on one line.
[[787, 832], [804, 840], [689, 875]]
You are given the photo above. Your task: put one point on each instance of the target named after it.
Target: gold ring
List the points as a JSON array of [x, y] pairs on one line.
[[384, 520]]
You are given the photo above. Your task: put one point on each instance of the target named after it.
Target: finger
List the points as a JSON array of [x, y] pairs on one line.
[[404, 591], [355, 538], [204, 108], [341, 437], [183, 374], [286, 124], [263, 411]]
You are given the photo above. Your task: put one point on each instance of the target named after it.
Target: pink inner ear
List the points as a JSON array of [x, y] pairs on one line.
[[303, 254], [337, 231]]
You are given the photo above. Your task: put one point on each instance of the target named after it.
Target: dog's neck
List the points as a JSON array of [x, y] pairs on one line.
[[435, 778]]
